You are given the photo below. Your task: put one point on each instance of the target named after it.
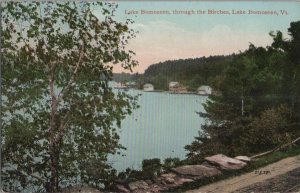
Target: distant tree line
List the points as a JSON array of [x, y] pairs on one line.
[[192, 72]]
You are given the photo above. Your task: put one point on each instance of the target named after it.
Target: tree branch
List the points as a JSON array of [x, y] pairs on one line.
[[276, 149], [52, 80], [67, 88], [34, 176], [62, 128], [28, 174]]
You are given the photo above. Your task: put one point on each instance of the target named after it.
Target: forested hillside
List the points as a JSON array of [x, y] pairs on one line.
[[258, 108], [191, 72]]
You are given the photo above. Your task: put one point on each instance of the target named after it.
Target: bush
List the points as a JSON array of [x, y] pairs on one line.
[[245, 135], [151, 167], [171, 163], [270, 130]]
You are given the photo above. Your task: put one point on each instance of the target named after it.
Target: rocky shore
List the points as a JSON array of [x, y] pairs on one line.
[[183, 175]]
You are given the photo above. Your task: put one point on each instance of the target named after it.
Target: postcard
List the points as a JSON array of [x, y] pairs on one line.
[[150, 96]]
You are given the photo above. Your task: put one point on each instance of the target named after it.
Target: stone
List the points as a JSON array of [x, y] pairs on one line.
[[243, 158], [162, 182], [196, 170], [183, 180], [226, 163], [154, 188], [121, 188], [170, 180], [207, 164], [149, 182], [80, 189], [138, 185], [168, 175]]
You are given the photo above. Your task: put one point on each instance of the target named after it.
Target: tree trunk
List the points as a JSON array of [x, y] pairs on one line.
[[55, 130], [53, 146], [53, 152], [54, 157]]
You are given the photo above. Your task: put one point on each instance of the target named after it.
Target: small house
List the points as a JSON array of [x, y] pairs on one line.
[[172, 84], [131, 84], [120, 85], [204, 90], [176, 87], [148, 87]]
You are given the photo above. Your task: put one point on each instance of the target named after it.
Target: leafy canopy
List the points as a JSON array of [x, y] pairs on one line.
[[259, 101], [59, 112]]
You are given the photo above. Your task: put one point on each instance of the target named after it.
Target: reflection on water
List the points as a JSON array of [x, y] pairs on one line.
[[160, 128]]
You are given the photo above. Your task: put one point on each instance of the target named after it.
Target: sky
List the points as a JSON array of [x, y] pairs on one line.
[[164, 37]]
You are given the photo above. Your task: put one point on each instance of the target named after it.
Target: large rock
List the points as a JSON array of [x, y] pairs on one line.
[[80, 189], [225, 163], [170, 180], [196, 170], [243, 158], [121, 188], [168, 175], [183, 180], [155, 188], [149, 182], [138, 185]]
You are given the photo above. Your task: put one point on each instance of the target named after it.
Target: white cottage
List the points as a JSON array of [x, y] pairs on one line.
[[172, 84], [148, 87], [204, 90], [131, 84], [176, 87]]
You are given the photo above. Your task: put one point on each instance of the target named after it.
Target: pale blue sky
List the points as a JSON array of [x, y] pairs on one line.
[[164, 37], [202, 22]]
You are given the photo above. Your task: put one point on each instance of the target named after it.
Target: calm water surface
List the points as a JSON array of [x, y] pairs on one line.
[[160, 128]]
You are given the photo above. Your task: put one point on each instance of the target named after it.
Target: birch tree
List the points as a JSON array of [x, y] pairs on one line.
[[60, 115]]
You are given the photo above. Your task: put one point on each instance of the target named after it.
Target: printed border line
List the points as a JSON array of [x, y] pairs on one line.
[[203, 0], [164, 0]]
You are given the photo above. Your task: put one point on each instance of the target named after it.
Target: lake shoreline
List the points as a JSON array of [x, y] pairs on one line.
[[163, 125], [171, 92]]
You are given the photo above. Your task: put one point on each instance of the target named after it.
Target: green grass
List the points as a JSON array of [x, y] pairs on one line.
[[274, 157], [258, 163]]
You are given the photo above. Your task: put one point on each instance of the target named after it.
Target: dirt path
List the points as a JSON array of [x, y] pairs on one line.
[[284, 183], [245, 180]]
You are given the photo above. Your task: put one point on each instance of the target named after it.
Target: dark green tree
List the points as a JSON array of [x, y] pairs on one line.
[[192, 72], [290, 68], [60, 115], [258, 107]]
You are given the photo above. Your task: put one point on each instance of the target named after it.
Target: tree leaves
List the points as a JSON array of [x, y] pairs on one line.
[[58, 103], [258, 105]]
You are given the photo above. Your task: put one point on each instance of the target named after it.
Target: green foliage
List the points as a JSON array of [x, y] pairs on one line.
[[60, 116], [151, 167], [258, 108], [269, 130], [171, 163], [191, 72]]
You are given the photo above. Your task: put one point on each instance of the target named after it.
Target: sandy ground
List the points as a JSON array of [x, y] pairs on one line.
[[235, 184], [284, 183]]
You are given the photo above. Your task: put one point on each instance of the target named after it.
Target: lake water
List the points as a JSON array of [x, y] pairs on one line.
[[160, 128]]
